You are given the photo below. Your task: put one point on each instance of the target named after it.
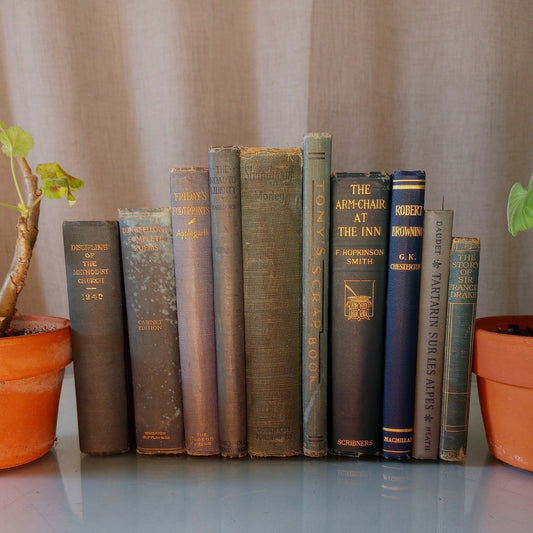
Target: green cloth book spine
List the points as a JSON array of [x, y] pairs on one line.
[[225, 198], [458, 351], [148, 266], [360, 212], [271, 203], [315, 285], [193, 260], [98, 336], [436, 243]]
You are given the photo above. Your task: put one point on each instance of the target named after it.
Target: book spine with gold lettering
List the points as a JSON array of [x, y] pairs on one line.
[[360, 211], [271, 203], [436, 244], [148, 265], [98, 336], [315, 289], [225, 198], [460, 326], [193, 259], [401, 325]]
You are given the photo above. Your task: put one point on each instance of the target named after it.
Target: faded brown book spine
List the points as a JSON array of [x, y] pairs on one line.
[[147, 259], [191, 225], [271, 204], [99, 336], [225, 198]]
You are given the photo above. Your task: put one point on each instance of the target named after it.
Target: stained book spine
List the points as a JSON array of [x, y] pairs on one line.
[[225, 199], [316, 200], [401, 326], [147, 261], [436, 244], [191, 225], [460, 326], [271, 202], [360, 212], [99, 336]]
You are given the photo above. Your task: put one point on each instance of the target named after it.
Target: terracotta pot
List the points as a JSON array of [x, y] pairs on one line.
[[31, 375], [504, 368]]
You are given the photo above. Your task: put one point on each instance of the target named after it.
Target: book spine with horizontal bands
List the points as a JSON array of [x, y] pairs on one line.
[[436, 244], [271, 203], [148, 265], [316, 209], [191, 224], [98, 335], [360, 211], [401, 326], [460, 327], [225, 198]]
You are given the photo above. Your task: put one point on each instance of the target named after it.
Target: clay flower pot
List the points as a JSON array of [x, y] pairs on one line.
[[503, 364], [31, 375]]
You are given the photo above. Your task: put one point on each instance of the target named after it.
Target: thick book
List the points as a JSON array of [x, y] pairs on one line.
[[193, 259], [436, 244], [401, 324], [315, 290], [271, 204], [360, 213], [225, 199], [98, 335], [460, 327], [148, 265]]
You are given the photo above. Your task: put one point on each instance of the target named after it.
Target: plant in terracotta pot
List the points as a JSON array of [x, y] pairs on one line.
[[34, 350], [503, 363]]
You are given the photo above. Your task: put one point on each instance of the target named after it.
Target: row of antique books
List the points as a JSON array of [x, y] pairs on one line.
[[274, 308]]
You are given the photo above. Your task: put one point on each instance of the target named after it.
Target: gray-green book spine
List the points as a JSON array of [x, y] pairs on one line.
[[436, 244], [149, 285], [460, 326], [225, 198], [316, 201]]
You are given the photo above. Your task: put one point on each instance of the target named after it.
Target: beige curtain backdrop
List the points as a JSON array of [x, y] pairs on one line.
[[119, 92]]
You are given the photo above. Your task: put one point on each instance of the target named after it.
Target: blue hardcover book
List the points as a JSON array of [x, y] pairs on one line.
[[401, 326]]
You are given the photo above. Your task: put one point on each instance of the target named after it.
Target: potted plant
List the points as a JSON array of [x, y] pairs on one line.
[[503, 363], [33, 350]]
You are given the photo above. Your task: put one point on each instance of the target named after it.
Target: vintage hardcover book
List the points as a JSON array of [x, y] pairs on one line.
[[271, 203], [401, 325], [98, 336], [315, 285], [360, 213], [148, 265], [191, 225], [225, 198], [460, 326], [436, 244]]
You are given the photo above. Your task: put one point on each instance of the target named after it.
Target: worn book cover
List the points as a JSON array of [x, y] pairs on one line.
[[315, 291], [271, 203], [191, 226], [148, 265], [225, 198], [360, 211], [98, 335]]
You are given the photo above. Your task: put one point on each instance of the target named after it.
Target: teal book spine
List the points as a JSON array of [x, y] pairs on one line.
[[360, 211], [148, 266], [225, 198], [401, 326], [460, 327], [315, 283]]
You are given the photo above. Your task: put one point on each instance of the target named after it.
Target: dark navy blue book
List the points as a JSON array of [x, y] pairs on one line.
[[401, 325]]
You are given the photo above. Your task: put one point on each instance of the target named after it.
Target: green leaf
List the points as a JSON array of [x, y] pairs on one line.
[[15, 141], [56, 183], [520, 208], [3, 125]]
